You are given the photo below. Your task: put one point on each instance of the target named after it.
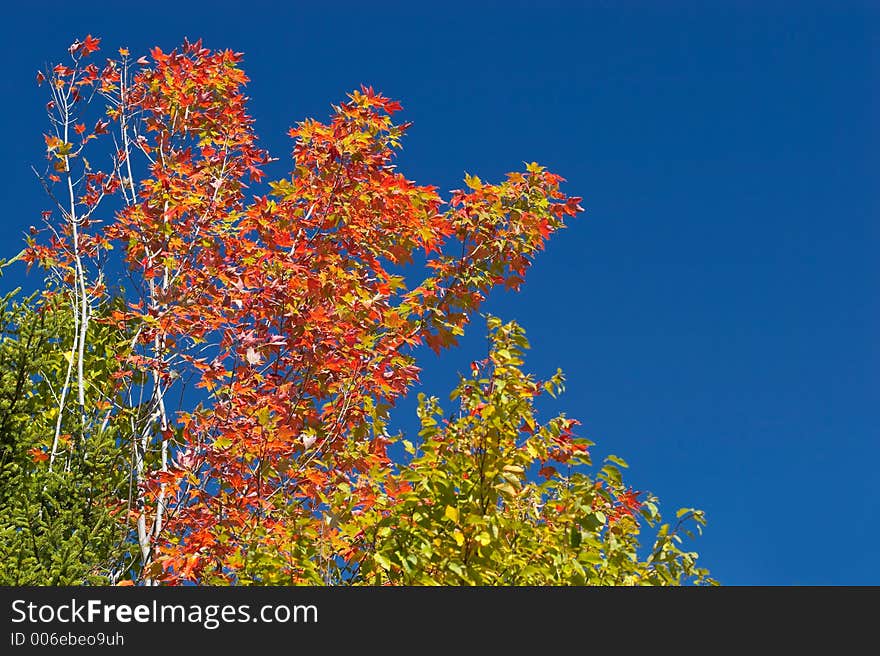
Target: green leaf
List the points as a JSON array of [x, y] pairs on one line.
[[458, 569], [575, 537]]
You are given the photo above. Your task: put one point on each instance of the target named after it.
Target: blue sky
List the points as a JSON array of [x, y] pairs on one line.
[[716, 307]]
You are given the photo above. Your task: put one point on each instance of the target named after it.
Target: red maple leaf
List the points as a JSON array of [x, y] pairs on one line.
[[90, 45]]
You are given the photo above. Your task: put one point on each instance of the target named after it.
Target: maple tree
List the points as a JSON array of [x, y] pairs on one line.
[[263, 340]]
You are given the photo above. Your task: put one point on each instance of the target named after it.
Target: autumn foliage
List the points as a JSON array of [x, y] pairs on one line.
[[271, 326]]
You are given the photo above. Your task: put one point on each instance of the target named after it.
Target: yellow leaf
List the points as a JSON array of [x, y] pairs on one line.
[[506, 489], [531, 450], [451, 513], [473, 181], [459, 537], [263, 416]]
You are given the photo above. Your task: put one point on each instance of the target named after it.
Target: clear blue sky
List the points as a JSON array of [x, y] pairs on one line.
[[716, 309]]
